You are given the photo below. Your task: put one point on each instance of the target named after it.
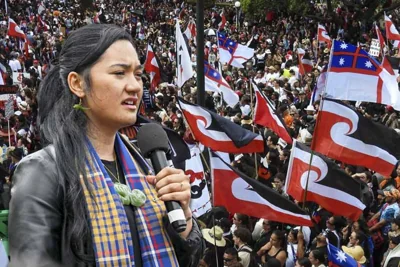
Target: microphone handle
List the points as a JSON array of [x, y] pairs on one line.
[[175, 213]]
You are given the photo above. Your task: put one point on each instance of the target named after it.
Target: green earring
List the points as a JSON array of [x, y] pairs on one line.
[[79, 106]]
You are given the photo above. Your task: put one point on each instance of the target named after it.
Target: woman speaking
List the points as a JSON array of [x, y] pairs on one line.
[[89, 198]]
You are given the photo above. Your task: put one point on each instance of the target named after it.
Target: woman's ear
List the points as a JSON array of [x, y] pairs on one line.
[[76, 84]]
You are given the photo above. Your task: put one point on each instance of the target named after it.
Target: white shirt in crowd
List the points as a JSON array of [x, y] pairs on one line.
[[245, 110], [244, 256], [260, 80], [292, 255], [15, 65]]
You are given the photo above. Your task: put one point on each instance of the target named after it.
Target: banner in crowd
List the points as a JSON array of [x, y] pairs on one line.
[[219, 133], [200, 202], [354, 75], [8, 89], [242, 194], [265, 115], [344, 134], [184, 67], [18, 76], [375, 48], [232, 52], [327, 184]]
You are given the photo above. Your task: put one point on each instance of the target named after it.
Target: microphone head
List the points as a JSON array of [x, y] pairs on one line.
[[152, 137]]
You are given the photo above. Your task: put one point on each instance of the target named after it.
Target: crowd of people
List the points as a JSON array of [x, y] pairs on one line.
[[231, 239]]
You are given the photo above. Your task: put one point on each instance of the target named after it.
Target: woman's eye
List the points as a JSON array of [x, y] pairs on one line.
[[119, 73]]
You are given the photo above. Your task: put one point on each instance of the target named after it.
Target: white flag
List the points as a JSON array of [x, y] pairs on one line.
[[200, 202], [184, 67]]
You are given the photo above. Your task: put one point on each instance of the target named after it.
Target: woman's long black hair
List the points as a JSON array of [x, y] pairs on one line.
[[65, 128]]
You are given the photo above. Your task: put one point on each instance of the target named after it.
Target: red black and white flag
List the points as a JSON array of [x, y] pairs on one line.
[[305, 62], [391, 31], [265, 115], [242, 194], [218, 133], [344, 134], [328, 185], [152, 66]]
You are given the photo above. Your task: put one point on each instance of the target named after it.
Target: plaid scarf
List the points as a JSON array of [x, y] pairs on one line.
[[112, 239]]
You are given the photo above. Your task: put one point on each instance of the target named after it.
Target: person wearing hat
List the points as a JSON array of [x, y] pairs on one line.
[[215, 242], [356, 253], [246, 120]]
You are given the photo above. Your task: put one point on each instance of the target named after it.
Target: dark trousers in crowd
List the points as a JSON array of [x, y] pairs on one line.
[[378, 253]]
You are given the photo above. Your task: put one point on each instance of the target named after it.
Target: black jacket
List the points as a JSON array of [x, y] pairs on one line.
[[37, 221]]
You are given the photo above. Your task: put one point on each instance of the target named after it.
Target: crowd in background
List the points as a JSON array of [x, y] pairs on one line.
[[232, 239]]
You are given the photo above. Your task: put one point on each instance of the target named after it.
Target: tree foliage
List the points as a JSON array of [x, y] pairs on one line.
[[365, 10]]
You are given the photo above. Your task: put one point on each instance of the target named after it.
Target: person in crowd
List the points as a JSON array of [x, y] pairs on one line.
[[16, 156], [93, 91], [292, 248], [333, 228], [275, 70], [240, 220], [395, 182], [275, 248], [241, 240], [272, 263], [264, 237], [357, 253], [380, 222], [226, 225], [395, 227], [317, 258], [215, 243], [392, 257], [231, 257], [279, 184], [303, 262]]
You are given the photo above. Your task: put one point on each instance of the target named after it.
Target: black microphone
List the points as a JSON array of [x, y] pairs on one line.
[[153, 143]]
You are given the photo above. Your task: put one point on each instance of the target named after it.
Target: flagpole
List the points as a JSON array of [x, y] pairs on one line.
[[387, 39], [253, 127], [201, 154], [9, 133], [200, 53]]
